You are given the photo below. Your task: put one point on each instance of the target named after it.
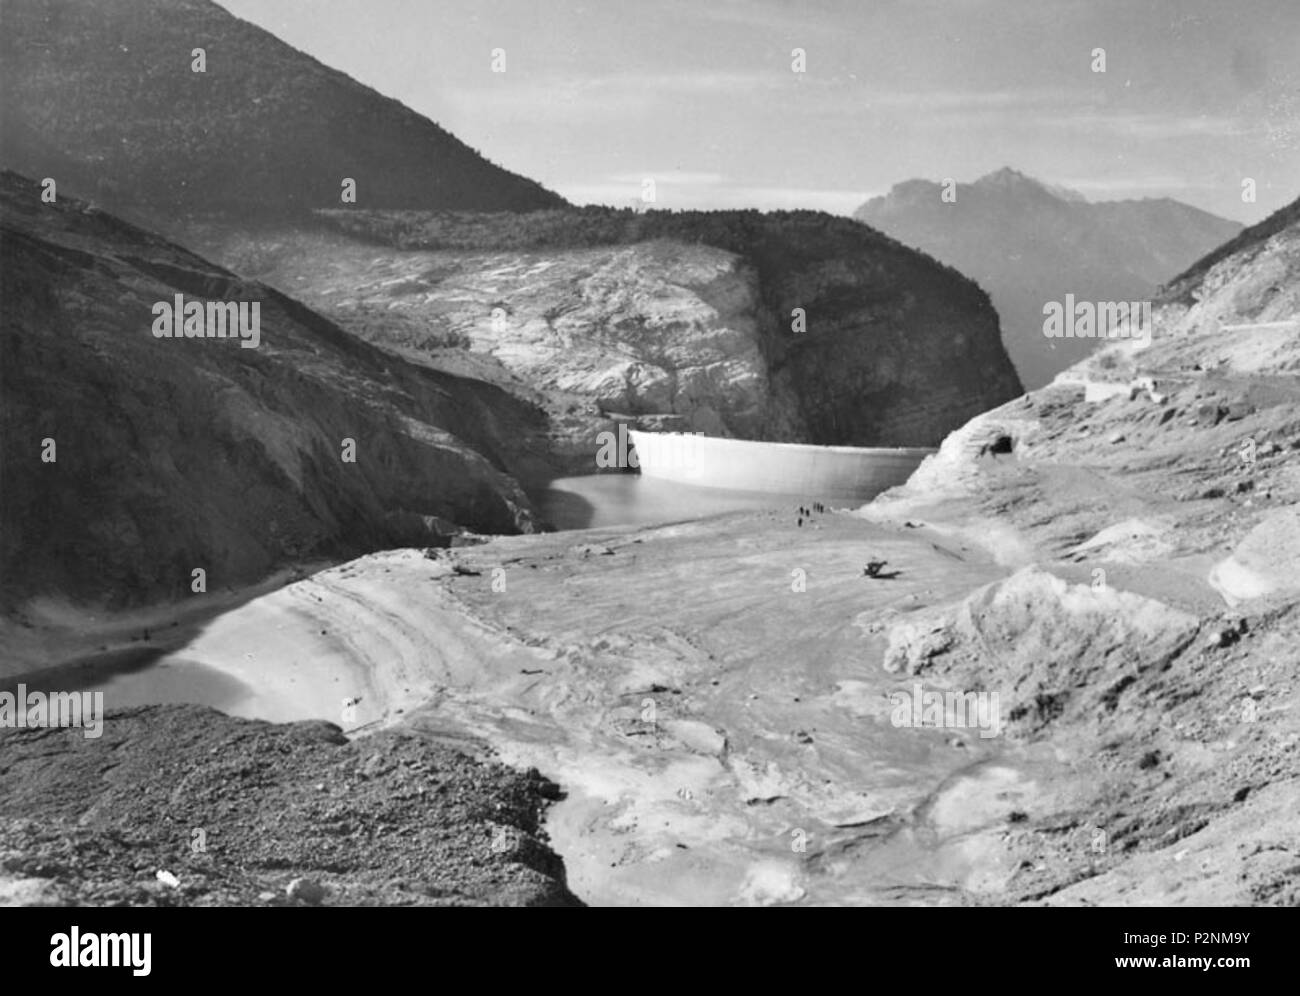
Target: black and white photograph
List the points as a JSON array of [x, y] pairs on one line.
[[762, 453]]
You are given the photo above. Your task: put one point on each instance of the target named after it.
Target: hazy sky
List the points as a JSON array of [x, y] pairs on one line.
[[700, 95]]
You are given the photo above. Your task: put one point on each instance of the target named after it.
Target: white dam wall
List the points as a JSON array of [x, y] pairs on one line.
[[832, 473]]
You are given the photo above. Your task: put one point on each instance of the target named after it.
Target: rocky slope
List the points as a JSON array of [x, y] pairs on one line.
[[1119, 648], [683, 320], [1154, 636], [1028, 243], [1248, 244], [169, 455], [1234, 312], [252, 814], [103, 98]]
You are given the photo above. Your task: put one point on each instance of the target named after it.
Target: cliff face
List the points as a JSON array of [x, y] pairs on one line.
[[904, 349], [103, 97], [787, 327], [169, 454], [1028, 243]]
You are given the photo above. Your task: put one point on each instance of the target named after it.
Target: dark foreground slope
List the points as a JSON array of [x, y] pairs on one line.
[[236, 811], [177, 454], [1028, 244], [102, 97]]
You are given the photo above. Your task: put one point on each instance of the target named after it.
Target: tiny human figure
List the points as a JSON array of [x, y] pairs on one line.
[[799, 521]]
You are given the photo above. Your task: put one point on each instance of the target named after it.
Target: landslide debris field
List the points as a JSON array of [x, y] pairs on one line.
[[715, 698], [1117, 572]]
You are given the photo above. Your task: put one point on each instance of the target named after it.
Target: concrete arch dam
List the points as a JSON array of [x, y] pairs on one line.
[[831, 473]]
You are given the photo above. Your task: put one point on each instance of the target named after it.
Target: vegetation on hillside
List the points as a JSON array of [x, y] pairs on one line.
[[104, 97]]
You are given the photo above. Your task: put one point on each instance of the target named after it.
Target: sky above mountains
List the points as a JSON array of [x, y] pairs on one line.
[[1197, 95]]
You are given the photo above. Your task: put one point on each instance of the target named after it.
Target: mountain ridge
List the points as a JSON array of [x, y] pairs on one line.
[[116, 114], [1234, 313], [1029, 243]]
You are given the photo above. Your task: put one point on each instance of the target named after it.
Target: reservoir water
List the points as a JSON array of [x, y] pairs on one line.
[[143, 675], [599, 500]]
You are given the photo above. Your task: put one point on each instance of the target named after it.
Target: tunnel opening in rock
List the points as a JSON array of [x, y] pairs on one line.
[[1000, 445]]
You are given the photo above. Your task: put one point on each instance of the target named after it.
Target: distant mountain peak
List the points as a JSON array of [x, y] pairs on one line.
[[1005, 175], [1008, 178], [1000, 184], [1028, 243]]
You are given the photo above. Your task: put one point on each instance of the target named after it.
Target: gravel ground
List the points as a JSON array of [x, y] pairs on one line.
[[185, 806]]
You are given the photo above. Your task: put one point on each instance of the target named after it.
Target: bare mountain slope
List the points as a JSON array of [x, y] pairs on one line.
[[1235, 312], [1250, 242], [102, 98], [184, 453]]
